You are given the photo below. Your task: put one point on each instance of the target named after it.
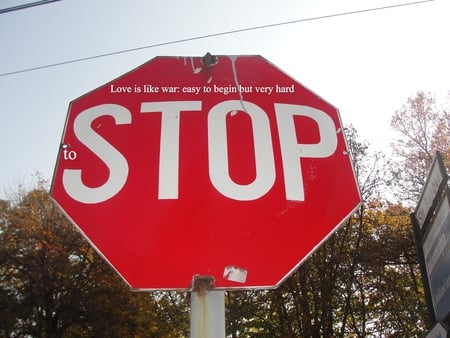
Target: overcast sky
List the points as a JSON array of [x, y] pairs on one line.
[[366, 64]]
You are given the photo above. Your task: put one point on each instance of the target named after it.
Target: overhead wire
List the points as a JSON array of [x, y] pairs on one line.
[[206, 36], [26, 5]]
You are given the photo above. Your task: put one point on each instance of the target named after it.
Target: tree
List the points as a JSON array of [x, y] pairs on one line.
[[424, 129], [53, 284], [363, 281]]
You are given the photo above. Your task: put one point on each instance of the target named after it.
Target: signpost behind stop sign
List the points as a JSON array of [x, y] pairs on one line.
[[229, 169]]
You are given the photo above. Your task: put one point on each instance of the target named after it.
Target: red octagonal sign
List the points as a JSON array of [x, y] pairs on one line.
[[221, 166]]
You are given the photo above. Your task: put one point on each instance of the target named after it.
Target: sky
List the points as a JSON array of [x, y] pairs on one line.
[[367, 64]]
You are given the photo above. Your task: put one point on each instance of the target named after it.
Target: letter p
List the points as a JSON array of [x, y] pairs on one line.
[[292, 151]]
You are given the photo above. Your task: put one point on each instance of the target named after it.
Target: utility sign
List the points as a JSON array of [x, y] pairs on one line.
[[220, 166]]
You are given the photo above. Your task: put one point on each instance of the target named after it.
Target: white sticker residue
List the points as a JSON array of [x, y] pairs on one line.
[[235, 274]]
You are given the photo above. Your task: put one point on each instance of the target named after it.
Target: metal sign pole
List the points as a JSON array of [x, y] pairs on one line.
[[207, 309]]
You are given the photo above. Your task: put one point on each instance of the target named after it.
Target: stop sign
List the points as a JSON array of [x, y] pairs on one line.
[[221, 166]]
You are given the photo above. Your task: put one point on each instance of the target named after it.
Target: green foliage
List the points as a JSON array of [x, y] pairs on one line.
[[53, 284]]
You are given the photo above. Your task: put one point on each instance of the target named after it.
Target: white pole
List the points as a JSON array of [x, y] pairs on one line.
[[207, 309]]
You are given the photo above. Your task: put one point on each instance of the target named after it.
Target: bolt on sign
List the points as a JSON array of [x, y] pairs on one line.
[[222, 166]]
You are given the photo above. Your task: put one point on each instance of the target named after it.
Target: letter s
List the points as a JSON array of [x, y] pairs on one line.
[[113, 159]]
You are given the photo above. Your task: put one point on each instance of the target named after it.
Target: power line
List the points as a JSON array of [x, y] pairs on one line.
[[26, 5], [241, 30]]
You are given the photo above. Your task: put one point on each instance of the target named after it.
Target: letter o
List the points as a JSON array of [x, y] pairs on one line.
[[218, 151]]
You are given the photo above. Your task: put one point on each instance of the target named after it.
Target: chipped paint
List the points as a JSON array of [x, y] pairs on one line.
[[290, 206]]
